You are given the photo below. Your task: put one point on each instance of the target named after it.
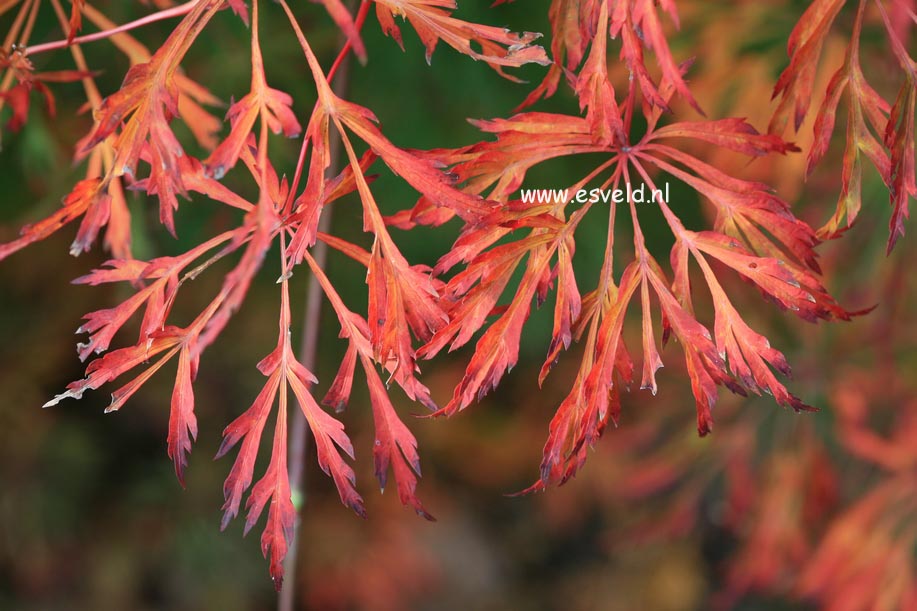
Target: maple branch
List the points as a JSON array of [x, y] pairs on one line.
[[89, 84], [27, 12], [299, 427], [177, 11]]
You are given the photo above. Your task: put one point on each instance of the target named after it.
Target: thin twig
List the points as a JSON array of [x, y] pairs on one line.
[[299, 429], [176, 11]]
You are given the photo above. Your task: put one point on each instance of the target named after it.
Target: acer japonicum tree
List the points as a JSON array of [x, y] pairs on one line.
[[638, 120]]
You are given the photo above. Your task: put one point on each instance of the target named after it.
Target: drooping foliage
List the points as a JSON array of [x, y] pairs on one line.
[[511, 252]]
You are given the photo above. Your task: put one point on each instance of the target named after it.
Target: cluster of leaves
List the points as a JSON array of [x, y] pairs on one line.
[[818, 513], [414, 312], [880, 130]]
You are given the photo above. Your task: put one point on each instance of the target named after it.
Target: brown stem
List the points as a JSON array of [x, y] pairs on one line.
[[299, 428]]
